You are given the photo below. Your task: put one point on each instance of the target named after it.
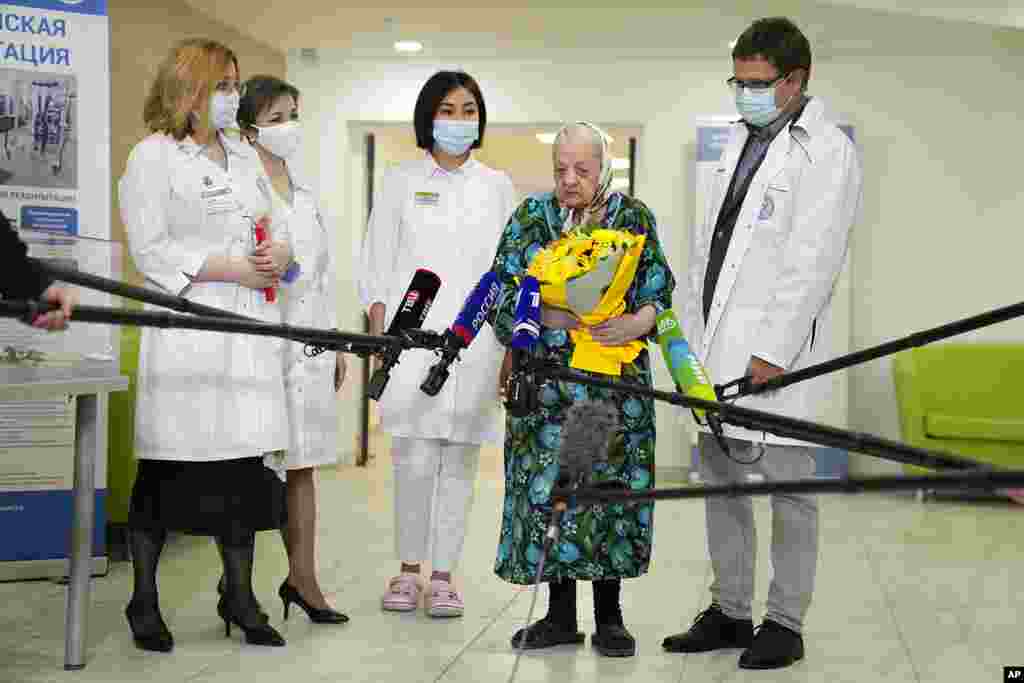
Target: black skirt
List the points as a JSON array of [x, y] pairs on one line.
[[229, 499]]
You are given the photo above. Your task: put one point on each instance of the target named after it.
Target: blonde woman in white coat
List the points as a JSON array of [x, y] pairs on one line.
[[443, 212], [268, 115], [210, 406]]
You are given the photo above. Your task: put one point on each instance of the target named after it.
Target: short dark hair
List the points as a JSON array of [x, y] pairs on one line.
[[433, 93], [780, 42], [258, 93]]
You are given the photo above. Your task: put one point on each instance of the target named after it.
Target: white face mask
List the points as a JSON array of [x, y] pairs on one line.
[[282, 140], [224, 110]]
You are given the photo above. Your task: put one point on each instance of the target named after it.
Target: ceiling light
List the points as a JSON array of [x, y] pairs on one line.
[[408, 46], [546, 138], [620, 163]]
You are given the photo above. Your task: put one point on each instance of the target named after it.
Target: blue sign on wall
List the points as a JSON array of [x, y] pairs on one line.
[[76, 6]]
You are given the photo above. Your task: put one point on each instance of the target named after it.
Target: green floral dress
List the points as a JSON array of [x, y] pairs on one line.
[[603, 542]]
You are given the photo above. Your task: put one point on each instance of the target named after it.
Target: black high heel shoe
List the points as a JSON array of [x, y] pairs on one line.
[[316, 615], [148, 628], [257, 633]]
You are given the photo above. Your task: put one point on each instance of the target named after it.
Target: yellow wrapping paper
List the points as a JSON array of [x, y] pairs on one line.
[[574, 256]]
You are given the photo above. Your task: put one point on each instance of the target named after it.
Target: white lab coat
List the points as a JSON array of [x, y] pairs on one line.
[[201, 395], [308, 301], [450, 223], [773, 297]]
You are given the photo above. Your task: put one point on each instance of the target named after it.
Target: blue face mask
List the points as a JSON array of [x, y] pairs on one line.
[[757, 107], [455, 137]]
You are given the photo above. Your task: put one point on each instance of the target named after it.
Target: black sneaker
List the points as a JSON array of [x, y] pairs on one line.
[[774, 647], [547, 633], [613, 640], [712, 630]]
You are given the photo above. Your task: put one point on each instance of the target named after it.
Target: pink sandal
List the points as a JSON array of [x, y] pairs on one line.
[[403, 594], [444, 601]]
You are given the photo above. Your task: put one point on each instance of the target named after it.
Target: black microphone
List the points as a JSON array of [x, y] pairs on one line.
[[410, 315], [586, 438], [521, 390], [463, 331]]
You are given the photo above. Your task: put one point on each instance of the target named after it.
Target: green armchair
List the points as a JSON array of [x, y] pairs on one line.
[[965, 399]]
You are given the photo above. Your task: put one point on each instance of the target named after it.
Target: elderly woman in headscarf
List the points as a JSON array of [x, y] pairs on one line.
[[603, 544]]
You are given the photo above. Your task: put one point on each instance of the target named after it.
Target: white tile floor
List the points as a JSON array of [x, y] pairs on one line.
[[906, 592]]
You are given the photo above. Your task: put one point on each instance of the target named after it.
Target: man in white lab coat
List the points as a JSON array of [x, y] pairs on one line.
[[763, 267]]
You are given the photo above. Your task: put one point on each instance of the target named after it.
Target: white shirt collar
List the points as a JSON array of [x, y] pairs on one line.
[[434, 170], [190, 147]]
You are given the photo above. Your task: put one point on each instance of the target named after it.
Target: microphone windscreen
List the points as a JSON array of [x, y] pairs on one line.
[[526, 327], [416, 303], [586, 437], [477, 307]]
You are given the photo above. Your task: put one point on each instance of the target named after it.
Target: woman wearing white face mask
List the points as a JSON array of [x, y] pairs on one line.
[[444, 213], [269, 117], [210, 406]]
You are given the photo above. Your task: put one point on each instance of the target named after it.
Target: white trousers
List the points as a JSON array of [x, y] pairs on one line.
[[434, 482]]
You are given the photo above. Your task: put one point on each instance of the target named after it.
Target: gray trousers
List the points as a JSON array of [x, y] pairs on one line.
[[732, 536]]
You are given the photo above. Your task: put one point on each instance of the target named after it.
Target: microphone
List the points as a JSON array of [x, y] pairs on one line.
[[463, 331], [261, 233], [687, 372], [586, 437], [410, 315], [521, 391]]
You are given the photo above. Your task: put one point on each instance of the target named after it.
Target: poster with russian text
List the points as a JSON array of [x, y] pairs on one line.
[[55, 189]]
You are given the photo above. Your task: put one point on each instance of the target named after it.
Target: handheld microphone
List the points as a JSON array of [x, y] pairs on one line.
[[586, 437], [687, 372], [261, 233], [463, 331], [411, 313], [521, 391]]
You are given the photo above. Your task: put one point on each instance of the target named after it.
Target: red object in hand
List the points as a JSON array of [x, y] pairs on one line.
[[269, 293]]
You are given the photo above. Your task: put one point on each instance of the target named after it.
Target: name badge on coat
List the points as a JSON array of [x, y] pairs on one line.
[[218, 199], [427, 198]]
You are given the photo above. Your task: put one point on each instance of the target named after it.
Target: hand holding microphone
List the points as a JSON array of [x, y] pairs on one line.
[[463, 331], [261, 235]]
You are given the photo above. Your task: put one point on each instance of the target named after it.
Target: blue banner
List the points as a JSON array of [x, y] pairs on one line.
[[98, 7], [36, 525], [51, 218]]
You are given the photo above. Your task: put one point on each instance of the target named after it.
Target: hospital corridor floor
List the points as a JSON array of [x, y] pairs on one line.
[[906, 591]]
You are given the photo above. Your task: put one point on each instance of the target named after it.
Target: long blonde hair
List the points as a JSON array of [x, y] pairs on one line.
[[183, 85]]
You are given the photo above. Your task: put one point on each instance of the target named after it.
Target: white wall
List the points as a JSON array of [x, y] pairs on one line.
[[941, 231]]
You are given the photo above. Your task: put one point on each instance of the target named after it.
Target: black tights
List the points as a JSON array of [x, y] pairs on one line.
[[607, 606], [236, 555]]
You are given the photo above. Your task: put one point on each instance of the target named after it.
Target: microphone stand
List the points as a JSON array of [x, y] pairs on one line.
[[122, 289], [947, 480], [347, 342], [744, 387], [779, 425], [319, 340]]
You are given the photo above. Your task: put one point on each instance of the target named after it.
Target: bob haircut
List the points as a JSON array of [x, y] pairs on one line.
[[429, 101]]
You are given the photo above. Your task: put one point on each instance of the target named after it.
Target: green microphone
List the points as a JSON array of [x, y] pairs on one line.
[[687, 372]]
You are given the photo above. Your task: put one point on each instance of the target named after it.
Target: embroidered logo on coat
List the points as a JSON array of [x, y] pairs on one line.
[[767, 209]]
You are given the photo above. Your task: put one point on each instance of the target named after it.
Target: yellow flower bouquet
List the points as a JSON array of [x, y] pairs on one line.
[[588, 272]]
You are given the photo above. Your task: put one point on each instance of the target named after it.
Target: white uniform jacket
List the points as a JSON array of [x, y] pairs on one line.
[[201, 395], [449, 223], [773, 296], [308, 301]]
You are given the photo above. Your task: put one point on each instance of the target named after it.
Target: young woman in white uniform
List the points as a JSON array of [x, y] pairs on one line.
[[443, 212], [269, 117], [210, 406]]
